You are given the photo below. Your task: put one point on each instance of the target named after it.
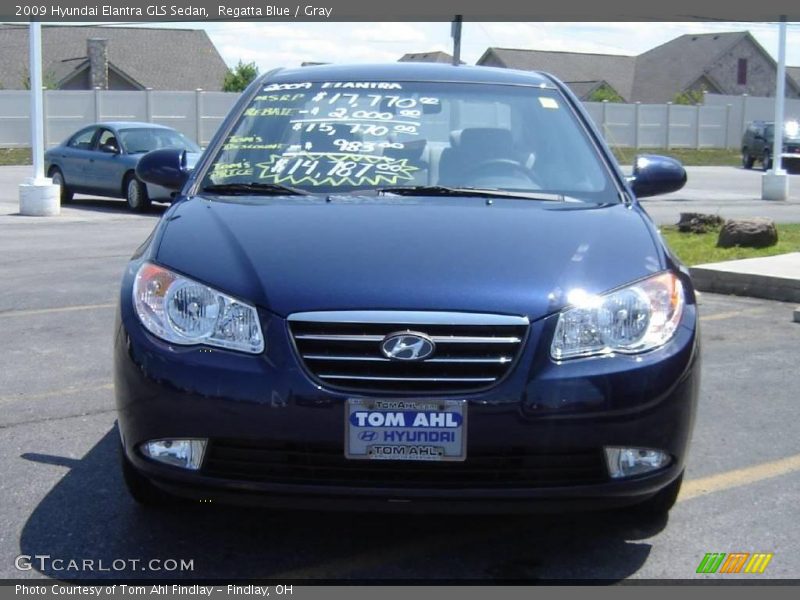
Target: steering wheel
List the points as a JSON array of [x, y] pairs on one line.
[[502, 164]]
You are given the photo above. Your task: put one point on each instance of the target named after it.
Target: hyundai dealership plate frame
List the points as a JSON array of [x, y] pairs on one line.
[[399, 429]]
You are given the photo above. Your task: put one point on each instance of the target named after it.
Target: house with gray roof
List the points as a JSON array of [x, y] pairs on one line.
[[583, 72], [720, 63], [114, 58], [794, 73], [436, 56]]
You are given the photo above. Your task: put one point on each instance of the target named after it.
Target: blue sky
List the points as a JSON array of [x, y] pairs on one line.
[[289, 44]]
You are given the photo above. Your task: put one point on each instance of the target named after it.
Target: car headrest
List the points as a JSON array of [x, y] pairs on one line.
[[320, 141], [490, 137]]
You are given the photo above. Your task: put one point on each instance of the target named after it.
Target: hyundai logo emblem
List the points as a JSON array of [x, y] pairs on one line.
[[367, 436], [407, 345]]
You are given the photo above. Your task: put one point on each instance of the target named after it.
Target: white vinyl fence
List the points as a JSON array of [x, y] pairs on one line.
[[663, 125], [196, 114], [719, 123], [744, 109]]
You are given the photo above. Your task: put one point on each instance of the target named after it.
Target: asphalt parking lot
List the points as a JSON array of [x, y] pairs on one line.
[[731, 192], [62, 494]]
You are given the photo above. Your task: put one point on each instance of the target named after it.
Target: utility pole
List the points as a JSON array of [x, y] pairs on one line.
[[775, 183], [455, 33], [37, 196]]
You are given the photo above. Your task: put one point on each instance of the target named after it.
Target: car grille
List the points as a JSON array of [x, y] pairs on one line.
[[325, 464], [343, 350]]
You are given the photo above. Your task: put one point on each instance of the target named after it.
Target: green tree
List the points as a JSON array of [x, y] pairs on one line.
[[48, 80], [238, 78], [603, 93], [690, 97]]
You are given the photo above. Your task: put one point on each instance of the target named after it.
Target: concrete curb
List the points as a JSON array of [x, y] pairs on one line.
[[746, 284], [774, 277]]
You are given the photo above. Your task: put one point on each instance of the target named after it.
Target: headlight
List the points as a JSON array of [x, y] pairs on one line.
[[183, 311], [636, 318]]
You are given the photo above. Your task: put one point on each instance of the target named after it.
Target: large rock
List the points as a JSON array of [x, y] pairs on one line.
[[757, 232], [699, 223]]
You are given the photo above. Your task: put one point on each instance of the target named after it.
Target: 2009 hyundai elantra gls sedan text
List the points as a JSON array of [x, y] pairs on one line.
[[407, 287]]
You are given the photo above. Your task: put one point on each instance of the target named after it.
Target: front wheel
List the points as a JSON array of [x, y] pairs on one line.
[[747, 160], [136, 194], [58, 179]]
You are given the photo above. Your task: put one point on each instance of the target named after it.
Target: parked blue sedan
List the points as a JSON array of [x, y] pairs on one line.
[[101, 160]]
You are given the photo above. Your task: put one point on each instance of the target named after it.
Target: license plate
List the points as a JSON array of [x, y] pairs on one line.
[[433, 430]]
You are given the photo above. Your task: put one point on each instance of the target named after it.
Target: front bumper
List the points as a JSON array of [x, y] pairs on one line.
[[542, 409]]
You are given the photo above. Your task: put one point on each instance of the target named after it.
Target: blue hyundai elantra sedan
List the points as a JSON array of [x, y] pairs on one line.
[[407, 287]]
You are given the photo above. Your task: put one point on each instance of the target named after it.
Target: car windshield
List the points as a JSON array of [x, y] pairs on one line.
[[435, 137], [145, 139]]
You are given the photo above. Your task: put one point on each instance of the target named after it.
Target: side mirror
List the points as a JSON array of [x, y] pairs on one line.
[[653, 175], [166, 168], [109, 148]]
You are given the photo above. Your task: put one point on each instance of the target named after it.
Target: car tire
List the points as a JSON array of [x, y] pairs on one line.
[[766, 161], [141, 489], [659, 505], [136, 193], [747, 160], [58, 178]]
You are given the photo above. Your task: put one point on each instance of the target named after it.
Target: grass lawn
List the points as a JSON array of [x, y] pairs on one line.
[[695, 249], [705, 157], [15, 156]]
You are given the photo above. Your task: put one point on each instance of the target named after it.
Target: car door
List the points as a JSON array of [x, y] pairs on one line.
[[73, 159], [105, 166]]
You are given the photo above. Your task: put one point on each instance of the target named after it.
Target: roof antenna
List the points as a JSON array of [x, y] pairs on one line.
[[455, 33]]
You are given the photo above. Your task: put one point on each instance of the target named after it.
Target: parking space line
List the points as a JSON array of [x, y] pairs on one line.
[[694, 488], [731, 314], [67, 391], [45, 311]]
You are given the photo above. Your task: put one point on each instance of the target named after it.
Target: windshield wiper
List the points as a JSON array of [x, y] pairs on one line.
[[254, 188], [441, 190]]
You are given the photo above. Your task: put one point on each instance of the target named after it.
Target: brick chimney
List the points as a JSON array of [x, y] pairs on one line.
[[97, 52]]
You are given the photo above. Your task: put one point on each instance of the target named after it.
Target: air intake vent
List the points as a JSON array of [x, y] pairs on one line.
[[459, 352], [325, 464]]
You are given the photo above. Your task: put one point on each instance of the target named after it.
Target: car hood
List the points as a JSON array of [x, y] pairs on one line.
[[462, 254]]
